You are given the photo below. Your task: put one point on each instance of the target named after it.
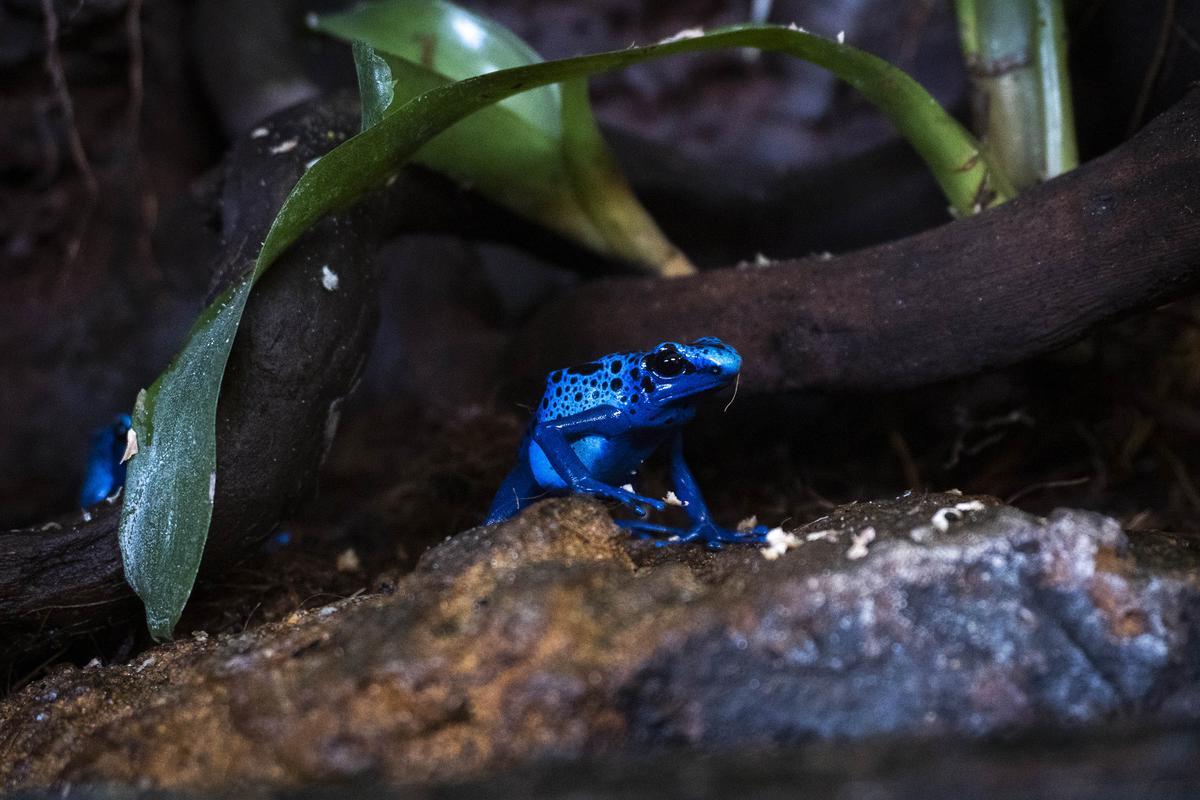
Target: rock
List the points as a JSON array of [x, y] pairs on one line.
[[554, 635]]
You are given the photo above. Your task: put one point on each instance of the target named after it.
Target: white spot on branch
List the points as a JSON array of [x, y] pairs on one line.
[[348, 561], [329, 279]]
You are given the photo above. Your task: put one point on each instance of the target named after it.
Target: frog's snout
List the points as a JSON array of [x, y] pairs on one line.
[[725, 362]]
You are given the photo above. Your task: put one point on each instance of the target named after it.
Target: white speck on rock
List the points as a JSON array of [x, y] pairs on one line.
[[858, 545], [748, 524], [259, 133], [778, 543], [672, 500], [283, 147], [329, 279], [841, 37], [628, 487], [212, 485], [327, 611], [827, 535], [944, 516]]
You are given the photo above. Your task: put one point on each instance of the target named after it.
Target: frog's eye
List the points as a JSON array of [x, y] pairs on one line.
[[666, 362]]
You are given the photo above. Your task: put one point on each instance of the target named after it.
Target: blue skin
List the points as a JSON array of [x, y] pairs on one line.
[[105, 473], [599, 421]]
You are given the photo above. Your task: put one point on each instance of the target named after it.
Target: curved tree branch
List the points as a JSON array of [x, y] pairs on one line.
[[1119, 234]]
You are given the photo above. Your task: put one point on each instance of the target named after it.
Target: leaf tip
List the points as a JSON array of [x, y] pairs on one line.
[[162, 628]]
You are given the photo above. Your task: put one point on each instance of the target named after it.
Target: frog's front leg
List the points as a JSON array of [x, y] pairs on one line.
[[554, 437], [702, 528]]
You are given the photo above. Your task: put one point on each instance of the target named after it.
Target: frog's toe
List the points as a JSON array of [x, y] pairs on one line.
[[714, 537], [646, 530]]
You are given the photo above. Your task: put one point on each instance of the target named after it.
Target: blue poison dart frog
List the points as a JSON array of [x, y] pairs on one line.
[[599, 421], [105, 473]]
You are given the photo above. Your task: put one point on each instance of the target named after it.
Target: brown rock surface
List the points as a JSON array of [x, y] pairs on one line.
[[554, 635]]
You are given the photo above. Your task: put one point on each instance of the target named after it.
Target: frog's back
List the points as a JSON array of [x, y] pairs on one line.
[[612, 380]]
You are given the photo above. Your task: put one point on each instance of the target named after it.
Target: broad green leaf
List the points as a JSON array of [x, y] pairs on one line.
[[169, 483], [528, 152]]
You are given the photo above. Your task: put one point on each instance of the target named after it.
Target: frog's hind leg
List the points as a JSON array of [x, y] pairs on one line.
[[519, 490]]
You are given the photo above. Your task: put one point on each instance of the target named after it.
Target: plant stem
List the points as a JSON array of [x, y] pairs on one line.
[[1016, 51]]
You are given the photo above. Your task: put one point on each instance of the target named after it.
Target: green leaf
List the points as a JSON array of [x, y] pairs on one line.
[[952, 154], [168, 492], [375, 85], [170, 481], [528, 152]]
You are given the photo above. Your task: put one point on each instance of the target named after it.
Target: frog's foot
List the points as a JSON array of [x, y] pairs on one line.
[[711, 535], [635, 502]]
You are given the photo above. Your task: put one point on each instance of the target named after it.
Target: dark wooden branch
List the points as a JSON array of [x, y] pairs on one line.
[[1119, 234]]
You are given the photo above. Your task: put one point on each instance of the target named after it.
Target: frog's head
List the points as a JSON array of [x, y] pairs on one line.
[[673, 371]]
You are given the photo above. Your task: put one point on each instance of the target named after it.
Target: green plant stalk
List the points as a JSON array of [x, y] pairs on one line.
[[1062, 151], [170, 482], [602, 192], [1016, 52]]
